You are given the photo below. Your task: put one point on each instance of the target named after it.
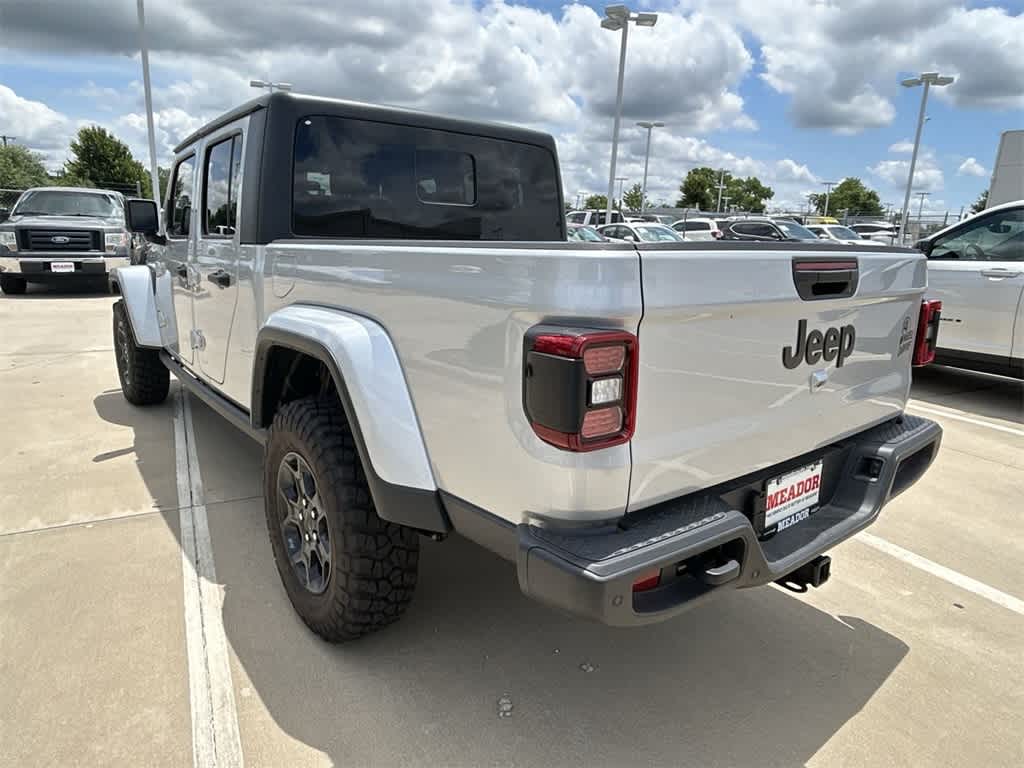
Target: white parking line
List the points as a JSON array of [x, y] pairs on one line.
[[959, 416], [215, 739], [946, 574]]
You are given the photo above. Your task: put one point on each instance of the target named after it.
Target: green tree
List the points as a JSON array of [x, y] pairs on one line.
[[978, 207], [633, 199], [748, 194], [99, 157], [699, 189], [21, 168], [600, 202], [852, 196]]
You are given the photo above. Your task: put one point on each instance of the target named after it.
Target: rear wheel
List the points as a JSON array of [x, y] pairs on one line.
[[145, 380], [347, 572], [12, 285]]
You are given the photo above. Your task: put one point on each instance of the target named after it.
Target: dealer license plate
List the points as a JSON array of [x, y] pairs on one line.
[[62, 266], [792, 497]]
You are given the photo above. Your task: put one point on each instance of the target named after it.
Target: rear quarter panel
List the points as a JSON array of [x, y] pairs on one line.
[[456, 314]]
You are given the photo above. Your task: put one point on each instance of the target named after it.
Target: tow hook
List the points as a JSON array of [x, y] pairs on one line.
[[812, 574]]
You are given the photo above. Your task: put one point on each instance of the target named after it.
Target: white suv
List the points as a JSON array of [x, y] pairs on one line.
[[698, 229], [592, 218]]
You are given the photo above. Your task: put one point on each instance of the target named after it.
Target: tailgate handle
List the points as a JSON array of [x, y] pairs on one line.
[[817, 278]]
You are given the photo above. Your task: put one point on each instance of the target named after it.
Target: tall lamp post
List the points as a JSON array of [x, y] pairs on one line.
[[647, 158], [617, 18], [154, 174], [927, 79], [620, 179], [721, 188]]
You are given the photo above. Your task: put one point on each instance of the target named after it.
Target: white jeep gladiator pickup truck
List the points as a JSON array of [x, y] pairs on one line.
[[387, 301]]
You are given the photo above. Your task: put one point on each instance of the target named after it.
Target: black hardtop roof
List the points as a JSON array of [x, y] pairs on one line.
[[300, 104]]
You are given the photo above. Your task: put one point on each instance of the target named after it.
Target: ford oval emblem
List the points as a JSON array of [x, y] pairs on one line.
[[60, 239]]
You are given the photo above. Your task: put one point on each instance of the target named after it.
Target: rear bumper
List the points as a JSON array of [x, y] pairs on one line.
[[703, 544], [37, 266]]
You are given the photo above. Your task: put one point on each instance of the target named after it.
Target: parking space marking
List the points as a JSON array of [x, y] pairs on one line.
[[946, 574], [215, 739], [959, 416]]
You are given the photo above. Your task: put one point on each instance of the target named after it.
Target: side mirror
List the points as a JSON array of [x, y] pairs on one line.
[[823, 236], [4, 214], [141, 216]]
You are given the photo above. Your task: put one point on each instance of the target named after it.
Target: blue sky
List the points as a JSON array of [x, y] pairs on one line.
[[796, 92]]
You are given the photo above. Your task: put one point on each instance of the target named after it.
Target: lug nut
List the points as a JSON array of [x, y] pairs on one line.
[[307, 537]]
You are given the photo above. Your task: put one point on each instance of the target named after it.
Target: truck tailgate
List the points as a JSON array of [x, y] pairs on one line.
[[717, 396]]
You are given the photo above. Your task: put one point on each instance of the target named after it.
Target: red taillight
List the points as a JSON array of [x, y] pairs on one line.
[[579, 386], [650, 581], [927, 332]]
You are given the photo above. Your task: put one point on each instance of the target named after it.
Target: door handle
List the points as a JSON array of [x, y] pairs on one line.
[[220, 277], [999, 272]]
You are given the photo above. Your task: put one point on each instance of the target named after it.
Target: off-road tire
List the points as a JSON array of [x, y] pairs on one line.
[[13, 285], [145, 380], [374, 563]]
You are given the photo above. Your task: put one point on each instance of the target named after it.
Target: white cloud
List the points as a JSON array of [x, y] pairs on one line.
[[927, 176], [971, 167], [790, 170], [839, 62], [33, 123], [904, 147]]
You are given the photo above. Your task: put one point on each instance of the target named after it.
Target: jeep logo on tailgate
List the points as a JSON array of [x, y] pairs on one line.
[[834, 344]]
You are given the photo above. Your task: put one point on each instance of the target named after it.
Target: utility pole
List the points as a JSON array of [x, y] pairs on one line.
[[828, 190], [927, 79], [920, 211], [620, 179], [727, 199], [7, 138], [721, 187]]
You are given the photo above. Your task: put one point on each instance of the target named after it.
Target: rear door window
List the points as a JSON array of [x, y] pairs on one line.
[[220, 187], [363, 179], [693, 226]]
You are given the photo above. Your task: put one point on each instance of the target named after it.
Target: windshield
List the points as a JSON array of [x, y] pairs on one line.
[[843, 233], [58, 203], [589, 234], [795, 231], [657, 234]]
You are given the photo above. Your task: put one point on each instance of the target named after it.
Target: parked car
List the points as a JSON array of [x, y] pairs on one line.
[[641, 233], [976, 268], [880, 231], [58, 233], [698, 229], [765, 230], [609, 419], [584, 233], [837, 233], [592, 217], [659, 218]]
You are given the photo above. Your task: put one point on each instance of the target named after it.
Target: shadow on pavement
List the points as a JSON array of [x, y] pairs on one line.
[[78, 286], [981, 394], [756, 678]]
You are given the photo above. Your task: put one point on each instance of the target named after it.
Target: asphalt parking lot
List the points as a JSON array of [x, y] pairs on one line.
[[910, 656]]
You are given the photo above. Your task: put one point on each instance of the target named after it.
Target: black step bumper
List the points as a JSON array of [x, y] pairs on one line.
[[703, 543]]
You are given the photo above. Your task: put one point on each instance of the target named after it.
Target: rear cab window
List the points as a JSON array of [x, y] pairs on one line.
[[357, 178]]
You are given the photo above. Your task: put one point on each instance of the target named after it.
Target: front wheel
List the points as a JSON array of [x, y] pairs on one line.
[[12, 285], [145, 380], [347, 572]]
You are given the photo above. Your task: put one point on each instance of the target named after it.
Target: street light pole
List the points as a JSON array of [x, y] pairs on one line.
[[920, 210], [617, 18], [647, 158], [270, 85], [927, 79], [154, 174]]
